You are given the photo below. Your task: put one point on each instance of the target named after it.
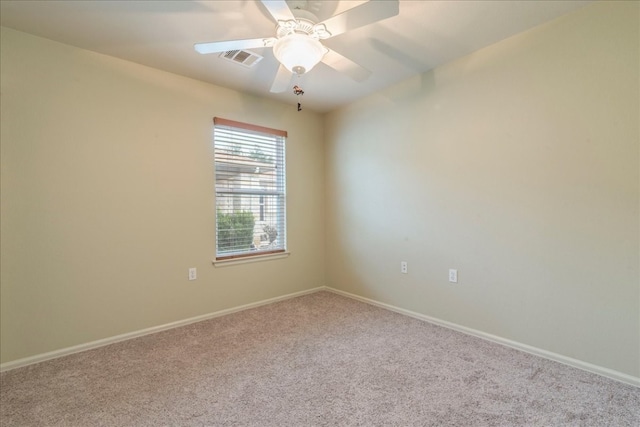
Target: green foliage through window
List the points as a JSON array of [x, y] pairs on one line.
[[235, 231], [260, 156]]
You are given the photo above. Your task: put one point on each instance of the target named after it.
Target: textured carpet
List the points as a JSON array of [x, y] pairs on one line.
[[317, 360]]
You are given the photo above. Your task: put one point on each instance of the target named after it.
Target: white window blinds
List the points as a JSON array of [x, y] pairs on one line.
[[250, 189]]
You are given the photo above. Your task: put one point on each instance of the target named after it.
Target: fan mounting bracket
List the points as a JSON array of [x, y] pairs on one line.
[[302, 26]]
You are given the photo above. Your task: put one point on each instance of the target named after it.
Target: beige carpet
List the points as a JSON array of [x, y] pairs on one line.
[[316, 360]]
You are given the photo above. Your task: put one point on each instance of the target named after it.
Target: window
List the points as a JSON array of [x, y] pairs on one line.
[[250, 189]]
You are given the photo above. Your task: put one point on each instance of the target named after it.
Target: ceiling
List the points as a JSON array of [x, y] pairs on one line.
[[161, 34]]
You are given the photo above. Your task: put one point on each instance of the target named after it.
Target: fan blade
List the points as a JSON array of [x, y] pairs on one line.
[[359, 16], [344, 65], [224, 46], [282, 80], [279, 10]]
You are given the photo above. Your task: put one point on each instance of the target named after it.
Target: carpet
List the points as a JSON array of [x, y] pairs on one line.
[[316, 360]]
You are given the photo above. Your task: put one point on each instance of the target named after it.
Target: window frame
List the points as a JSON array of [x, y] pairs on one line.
[[280, 217]]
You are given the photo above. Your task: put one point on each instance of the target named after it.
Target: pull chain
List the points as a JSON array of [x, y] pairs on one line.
[[298, 91]]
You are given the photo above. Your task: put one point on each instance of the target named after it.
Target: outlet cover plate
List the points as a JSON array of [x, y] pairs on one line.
[[453, 275]]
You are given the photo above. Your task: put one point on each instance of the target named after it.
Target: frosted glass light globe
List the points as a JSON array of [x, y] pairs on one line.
[[299, 53]]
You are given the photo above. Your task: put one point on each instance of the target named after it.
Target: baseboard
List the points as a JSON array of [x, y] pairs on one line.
[[111, 340], [579, 364], [609, 373]]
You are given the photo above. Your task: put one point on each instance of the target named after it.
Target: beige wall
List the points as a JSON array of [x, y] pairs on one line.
[[107, 198], [517, 165]]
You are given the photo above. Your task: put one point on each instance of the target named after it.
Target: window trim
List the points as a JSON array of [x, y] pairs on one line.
[[253, 258], [238, 258], [246, 255], [248, 126]]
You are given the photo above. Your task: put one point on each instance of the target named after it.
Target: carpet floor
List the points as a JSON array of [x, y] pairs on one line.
[[316, 360]]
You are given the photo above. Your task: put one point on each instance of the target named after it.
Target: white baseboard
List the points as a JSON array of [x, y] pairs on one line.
[[606, 372], [609, 373], [111, 340]]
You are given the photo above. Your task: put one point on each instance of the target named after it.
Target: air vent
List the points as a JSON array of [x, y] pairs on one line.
[[242, 57]]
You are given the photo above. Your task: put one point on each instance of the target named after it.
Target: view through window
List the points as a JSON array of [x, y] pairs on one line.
[[250, 189]]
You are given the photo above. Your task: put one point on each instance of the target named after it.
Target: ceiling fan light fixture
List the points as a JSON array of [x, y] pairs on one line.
[[299, 53]]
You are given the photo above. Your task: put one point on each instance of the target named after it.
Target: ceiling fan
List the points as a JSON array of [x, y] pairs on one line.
[[297, 44]]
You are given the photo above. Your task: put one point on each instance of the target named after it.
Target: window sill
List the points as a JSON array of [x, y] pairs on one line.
[[245, 260]]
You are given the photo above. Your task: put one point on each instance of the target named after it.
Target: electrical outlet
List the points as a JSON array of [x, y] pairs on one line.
[[403, 267], [192, 273], [453, 275]]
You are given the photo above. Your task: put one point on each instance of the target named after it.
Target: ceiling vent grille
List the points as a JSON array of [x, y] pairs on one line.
[[242, 57]]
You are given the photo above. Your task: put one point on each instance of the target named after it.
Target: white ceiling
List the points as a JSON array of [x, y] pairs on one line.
[[161, 34]]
